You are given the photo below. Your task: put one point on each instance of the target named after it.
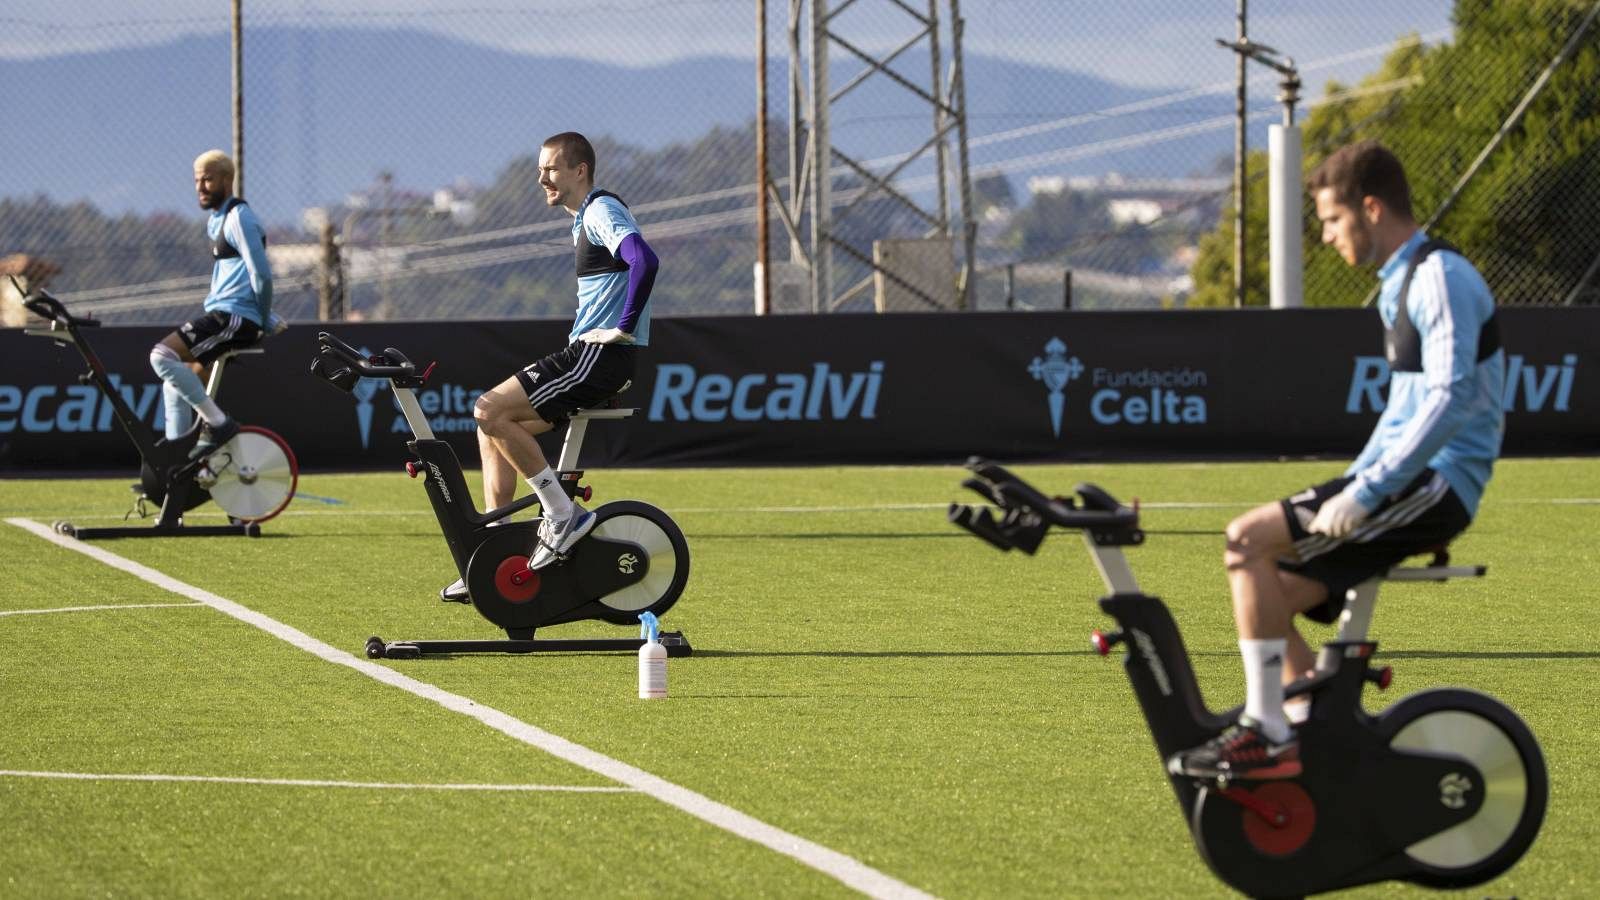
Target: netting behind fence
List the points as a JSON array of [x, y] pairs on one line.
[[1100, 137]]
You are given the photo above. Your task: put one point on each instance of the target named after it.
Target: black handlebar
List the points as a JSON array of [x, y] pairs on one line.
[[1028, 514], [388, 364], [47, 307], [342, 365]]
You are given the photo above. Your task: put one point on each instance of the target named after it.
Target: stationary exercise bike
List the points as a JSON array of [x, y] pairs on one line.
[[251, 478], [1445, 788], [634, 561]]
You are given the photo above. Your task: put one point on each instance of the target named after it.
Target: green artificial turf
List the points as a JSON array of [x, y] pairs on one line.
[[865, 676]]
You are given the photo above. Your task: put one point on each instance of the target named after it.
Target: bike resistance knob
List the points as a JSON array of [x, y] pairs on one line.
[[1103, 642]]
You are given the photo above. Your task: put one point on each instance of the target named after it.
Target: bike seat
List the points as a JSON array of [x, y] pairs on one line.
[[242, 351], [609, 408], [603, 412], [1438, 568]]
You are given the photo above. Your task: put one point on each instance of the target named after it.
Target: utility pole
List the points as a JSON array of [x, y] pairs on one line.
[[1285, 259], [969, 225], [1239, 187], [763, 257], [330, 280], [385, 178], [821, 160], [238, 99]]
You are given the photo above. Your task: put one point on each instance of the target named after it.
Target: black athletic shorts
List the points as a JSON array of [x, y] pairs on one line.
[[214, 333], [1423, 516], [577, 377]]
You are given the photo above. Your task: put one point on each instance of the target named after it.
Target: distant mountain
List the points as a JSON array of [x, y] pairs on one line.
[[327, 109]]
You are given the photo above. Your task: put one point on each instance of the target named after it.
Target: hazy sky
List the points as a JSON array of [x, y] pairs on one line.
[[1140, 42]]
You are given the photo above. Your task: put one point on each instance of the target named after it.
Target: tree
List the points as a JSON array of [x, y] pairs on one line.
[[1515, 218]]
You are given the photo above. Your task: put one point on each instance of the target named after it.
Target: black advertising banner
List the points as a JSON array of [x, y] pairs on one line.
[[903, 388]]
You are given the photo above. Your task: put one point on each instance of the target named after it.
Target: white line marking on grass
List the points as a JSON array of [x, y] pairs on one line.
[[30, 612], [305, 782], [848, 870], [350, 511]]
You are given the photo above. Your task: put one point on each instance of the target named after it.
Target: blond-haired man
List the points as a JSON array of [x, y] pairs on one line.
[[236, 313]]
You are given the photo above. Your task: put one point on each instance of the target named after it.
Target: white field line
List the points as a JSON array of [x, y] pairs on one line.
[[847, 870], [31, 612], [303, 782], [880, 507]]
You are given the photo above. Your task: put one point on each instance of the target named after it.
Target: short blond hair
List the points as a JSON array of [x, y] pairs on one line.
[[215, 161]]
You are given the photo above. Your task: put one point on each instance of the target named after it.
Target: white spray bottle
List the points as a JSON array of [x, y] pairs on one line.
[[652, 659]]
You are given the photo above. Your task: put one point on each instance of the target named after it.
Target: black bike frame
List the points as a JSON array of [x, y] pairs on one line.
[[165, 465]]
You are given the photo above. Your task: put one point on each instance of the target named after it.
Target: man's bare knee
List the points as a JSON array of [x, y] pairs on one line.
[[488, 419], [1242, 548]]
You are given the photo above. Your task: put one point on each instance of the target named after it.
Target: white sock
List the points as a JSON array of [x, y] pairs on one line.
[[552, 498], [211, 412], [1263, 685]]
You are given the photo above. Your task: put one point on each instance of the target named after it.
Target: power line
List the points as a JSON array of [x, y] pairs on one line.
[[171, 291]]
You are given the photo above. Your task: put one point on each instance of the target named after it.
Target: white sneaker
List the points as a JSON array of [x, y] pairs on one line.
[[556, 539], [455, 593]]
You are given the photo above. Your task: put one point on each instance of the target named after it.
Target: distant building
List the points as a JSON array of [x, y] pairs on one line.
[[456, 202], [1136, 201], [1134, 210]]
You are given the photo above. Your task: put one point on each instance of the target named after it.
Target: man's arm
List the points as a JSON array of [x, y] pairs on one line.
[[1430, 410], [243, 231], [642, 265], [1374, 447], [620, 234], [1448, 319]]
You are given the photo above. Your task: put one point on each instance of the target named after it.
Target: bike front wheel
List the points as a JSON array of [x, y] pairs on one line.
[[1495, 740], [662, 541], [254, 476]]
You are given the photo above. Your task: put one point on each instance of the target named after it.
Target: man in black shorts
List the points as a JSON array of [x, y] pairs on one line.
[[1416, 484], [616, 270], [237, 310]]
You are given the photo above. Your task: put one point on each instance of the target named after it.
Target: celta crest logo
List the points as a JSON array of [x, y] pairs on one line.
[[364, 391], [1055, 369]]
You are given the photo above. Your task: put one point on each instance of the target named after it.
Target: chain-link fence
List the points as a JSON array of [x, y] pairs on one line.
[[1499, 129], [1100, 139]]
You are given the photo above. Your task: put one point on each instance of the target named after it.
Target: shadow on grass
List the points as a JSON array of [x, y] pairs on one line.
[[308, 533], [773, 697], [1488, 654], [891, 535], [876, 654], [825, 535]]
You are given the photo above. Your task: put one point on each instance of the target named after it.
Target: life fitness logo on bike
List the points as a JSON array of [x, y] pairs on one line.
[[1138, 397]]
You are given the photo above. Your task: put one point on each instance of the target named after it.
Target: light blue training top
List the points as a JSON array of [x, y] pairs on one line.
[[1451, 415], [240, 285], [601, 298]]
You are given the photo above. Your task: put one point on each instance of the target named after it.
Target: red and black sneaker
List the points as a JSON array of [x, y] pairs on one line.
[[1242, 751]]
